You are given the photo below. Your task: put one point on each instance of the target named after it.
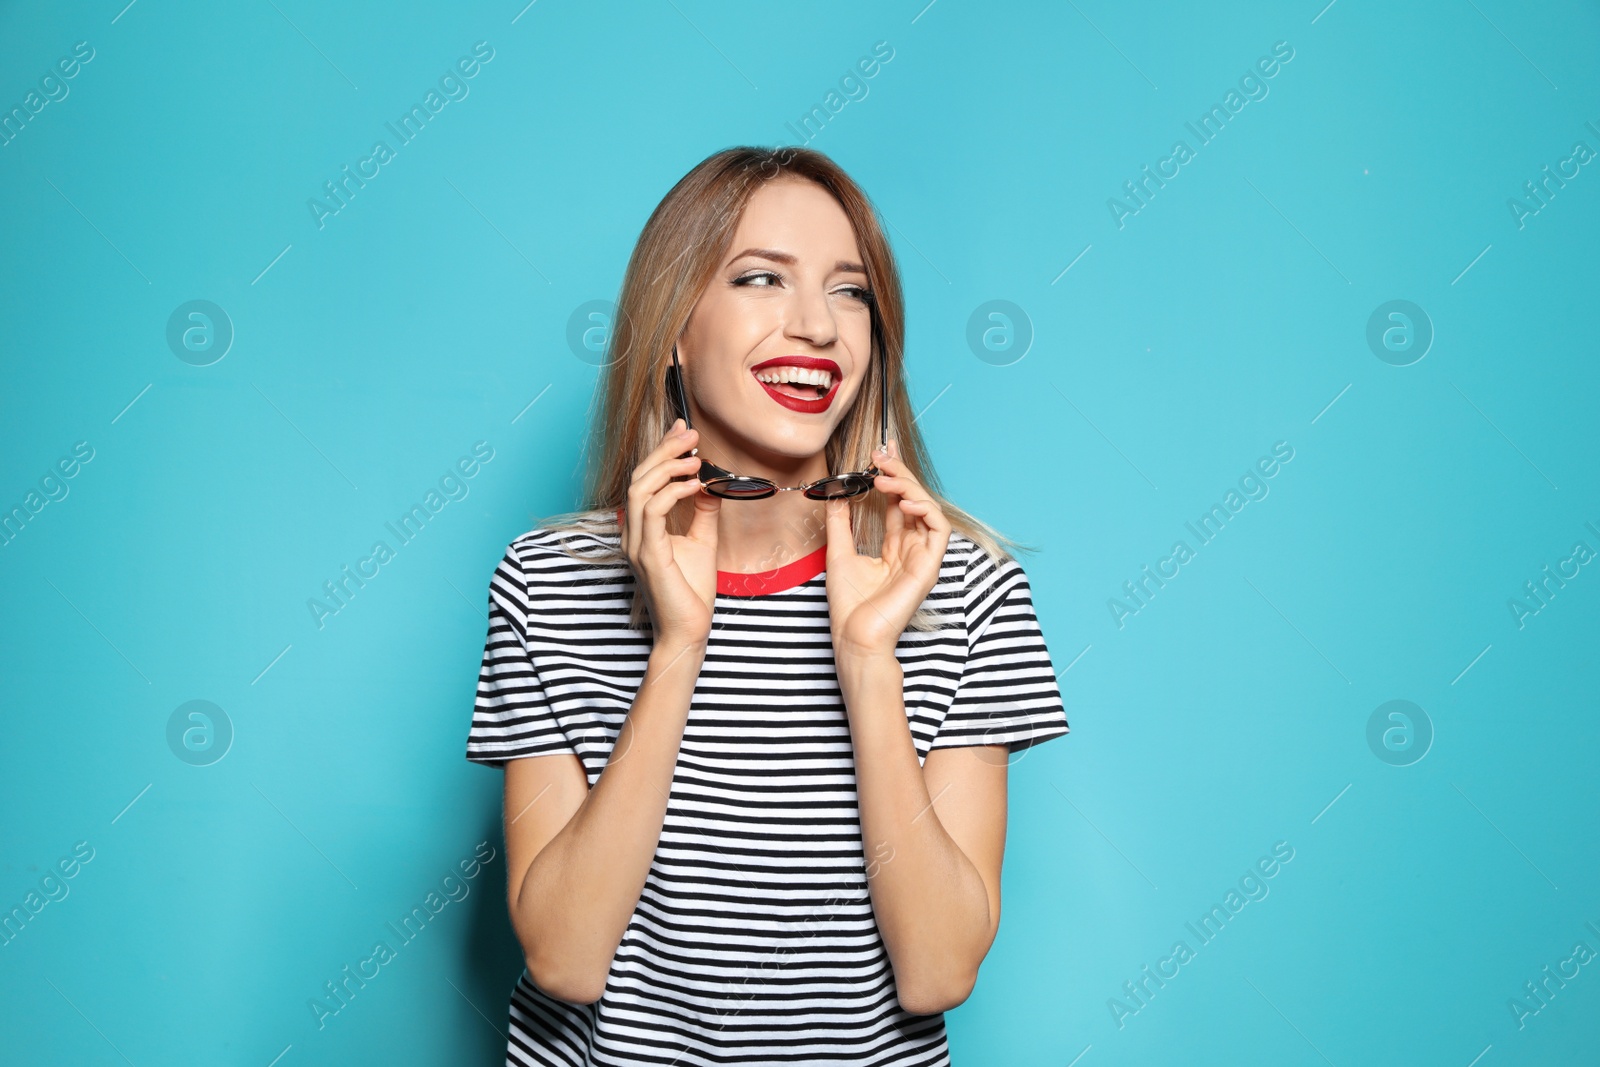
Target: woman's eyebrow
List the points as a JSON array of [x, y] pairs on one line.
[[843, 266]]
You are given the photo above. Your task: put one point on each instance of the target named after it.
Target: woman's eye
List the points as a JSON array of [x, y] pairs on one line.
[[770, 279]]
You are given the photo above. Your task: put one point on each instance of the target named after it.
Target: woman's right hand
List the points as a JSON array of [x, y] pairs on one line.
[[676, 573]]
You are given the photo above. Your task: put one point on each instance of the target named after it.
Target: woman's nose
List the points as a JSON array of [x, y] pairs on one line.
[[810, 318]]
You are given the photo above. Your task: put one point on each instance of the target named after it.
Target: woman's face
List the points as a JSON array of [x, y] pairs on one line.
[[785, 304]]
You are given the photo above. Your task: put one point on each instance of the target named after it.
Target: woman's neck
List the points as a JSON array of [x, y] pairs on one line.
[[760, 535]]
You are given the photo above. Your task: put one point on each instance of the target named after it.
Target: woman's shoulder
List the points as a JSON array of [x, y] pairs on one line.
[[976, 564], [986, 577], [567, 548]]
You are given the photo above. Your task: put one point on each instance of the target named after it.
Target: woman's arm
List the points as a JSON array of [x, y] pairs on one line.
[[936, 834], [934, 874], [576, 858]]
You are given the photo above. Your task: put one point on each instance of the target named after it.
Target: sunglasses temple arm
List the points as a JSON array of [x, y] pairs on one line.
[[883, 384], [683, 399]]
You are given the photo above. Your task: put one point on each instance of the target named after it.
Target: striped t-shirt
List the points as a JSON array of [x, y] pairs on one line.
[[754, 939]]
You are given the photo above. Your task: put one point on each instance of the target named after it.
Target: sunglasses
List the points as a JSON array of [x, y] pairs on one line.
[[730, 486]]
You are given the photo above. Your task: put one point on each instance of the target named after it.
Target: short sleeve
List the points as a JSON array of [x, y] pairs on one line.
[[1008, 693], [512, 716]]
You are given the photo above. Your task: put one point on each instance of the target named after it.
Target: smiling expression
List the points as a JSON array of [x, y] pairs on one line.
[[776, 348]]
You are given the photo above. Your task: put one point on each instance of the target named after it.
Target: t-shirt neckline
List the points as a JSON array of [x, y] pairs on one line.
[[761, 583], [798, 572]]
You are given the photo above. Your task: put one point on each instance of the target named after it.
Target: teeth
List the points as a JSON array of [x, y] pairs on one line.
[[796, 376]]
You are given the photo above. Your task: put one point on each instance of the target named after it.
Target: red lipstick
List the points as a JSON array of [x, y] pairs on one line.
[[800, 404], [808, 362]]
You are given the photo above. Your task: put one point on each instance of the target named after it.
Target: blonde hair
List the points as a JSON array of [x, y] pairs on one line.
[[678, 251]]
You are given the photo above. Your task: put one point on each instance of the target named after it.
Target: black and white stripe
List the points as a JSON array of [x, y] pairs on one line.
[[754, 939]]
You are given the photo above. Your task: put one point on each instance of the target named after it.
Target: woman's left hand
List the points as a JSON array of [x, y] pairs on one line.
[[870, 599]]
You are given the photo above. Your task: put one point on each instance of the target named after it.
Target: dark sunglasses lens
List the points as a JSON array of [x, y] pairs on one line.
[[841, 485], [740, 488]]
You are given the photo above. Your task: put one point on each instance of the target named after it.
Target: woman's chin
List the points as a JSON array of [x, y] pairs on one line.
[[780, 450]]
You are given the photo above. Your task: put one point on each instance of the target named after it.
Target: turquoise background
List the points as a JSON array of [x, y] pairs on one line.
[[1115, 402]]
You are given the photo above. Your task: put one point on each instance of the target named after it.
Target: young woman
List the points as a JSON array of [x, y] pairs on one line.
[[755, 705]]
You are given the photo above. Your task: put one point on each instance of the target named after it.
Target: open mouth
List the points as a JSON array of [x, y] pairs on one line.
[[800, 383]]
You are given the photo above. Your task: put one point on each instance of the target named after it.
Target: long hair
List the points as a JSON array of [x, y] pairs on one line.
[[678, 252]]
